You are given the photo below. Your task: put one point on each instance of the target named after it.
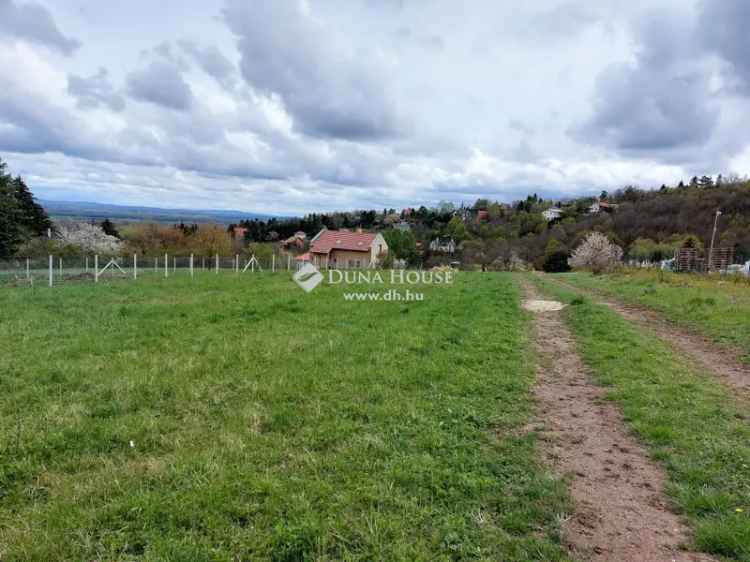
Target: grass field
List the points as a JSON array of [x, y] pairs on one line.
[[689, 421], [717, 307], [238, 418]]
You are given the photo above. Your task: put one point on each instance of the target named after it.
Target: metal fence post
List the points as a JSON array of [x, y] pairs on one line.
[[166, 265], [96, 268], [51, 260], [273, 263], [217, 263], [191, 266], [135, 266], [28, 271], [61, 268]]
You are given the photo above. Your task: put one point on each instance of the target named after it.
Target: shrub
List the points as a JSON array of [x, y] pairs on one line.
[[596, 254]]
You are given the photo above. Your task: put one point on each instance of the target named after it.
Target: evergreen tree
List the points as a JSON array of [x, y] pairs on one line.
[[33, 218], [109, 228]]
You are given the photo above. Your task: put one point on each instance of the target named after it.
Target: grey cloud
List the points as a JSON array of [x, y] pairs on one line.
[[331, 90], [94, 91], [661, 102], [724, 32], [34, 23], [161, 83], [212, 62]]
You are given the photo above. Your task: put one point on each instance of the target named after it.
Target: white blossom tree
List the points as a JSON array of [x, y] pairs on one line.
[[596, 254], [88, 238]]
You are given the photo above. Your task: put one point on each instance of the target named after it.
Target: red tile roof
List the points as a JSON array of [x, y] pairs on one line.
[[342, 240]]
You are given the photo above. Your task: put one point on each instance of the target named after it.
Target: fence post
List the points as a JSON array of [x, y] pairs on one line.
[[217, 263], [289, 262], [61, 268], [174, 264], [86, 261], [50, 270], [166, 266], [96, 268], [236, 263], [28, 272], [191, 266], [273, 263], [135, 266]]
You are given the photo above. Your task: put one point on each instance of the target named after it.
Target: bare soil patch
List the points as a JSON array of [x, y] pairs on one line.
[[620, 512], [542, 306]]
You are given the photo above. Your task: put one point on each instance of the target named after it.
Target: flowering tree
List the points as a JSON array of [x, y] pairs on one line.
[[87, 238], [596, 254]]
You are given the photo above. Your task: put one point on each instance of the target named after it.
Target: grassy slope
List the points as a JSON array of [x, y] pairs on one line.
[[689, 421], [719, 308], [268, 424]]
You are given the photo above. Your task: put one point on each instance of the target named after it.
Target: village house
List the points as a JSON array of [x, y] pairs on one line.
[[296, 241], [552, 213], [346, 249], [443, 246], [602, 207]]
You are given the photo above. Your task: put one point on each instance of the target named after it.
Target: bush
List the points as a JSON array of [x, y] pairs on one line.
[[596, 254]]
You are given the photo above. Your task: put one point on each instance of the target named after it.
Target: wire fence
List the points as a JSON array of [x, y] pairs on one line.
[[55, 270]]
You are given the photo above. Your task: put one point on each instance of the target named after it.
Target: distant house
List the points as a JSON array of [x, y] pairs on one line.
[[403, 226], [602, 207], [443, 246], [296, 241], [346, 249], [552, 213], [239, 232], [483, 216]]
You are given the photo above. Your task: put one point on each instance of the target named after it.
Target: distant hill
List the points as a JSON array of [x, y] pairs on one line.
[[80, 210]]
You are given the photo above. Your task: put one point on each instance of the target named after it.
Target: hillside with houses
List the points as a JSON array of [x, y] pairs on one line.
[[650, 226]]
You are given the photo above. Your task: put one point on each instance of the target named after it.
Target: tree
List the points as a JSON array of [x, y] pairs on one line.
[[109, 228], [706, 182], [596, 254], [20, 216], [401, 244], [555, 257], [34, 218]]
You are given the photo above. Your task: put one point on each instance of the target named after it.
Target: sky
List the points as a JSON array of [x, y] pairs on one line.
[[297, 106]]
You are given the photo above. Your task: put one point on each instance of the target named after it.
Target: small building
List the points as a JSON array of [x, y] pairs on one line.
[[296, 241], [403, 226], [483, 216], [602, 207], [239, 232], [553, 213], [443, 246], [346, 249]]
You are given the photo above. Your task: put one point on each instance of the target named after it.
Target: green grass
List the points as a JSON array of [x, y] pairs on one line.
[[689, 421], [714, 306], [268, 424]]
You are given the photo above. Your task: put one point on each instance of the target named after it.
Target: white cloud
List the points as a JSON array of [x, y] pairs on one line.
[[286, 106]]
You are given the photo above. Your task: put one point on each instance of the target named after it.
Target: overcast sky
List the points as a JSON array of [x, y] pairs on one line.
[[296, 106]]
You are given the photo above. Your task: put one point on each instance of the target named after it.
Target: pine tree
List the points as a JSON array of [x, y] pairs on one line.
[[34, 218], [109, 228]]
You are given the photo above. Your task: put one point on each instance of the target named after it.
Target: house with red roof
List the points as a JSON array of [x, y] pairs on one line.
[[347, 249]]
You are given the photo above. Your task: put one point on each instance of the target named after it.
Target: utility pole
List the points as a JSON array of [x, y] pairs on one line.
[[713, 237]]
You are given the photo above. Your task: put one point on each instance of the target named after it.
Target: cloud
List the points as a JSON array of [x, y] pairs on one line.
[[32, 22], [161, 83], [94, 91], [213, 62], [331, 88], [723, 30], [659, 102]]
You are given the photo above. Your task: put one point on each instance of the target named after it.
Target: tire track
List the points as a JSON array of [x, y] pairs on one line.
[[621, 513], [723, 364]]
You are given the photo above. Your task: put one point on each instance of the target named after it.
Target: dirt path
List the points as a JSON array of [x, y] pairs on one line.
[[620, 512], [722, 363]]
